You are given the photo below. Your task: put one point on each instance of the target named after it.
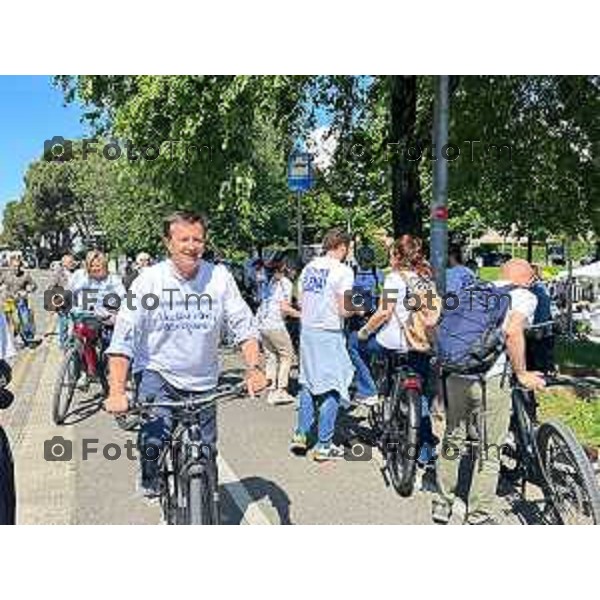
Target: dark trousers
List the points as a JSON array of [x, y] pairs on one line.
[[155, 433]]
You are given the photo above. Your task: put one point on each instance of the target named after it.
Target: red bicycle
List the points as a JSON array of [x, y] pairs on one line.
[[84, 363]]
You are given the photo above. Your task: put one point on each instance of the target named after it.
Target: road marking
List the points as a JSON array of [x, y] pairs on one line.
[[249, 508]]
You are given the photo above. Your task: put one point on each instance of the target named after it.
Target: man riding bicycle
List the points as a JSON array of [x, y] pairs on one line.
[[17, 284], [171, 329]]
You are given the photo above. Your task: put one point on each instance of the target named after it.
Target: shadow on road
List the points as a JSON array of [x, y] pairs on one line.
[[84, 409], [259, 488]]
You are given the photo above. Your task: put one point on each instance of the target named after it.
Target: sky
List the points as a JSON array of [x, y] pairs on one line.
[[31, 111]]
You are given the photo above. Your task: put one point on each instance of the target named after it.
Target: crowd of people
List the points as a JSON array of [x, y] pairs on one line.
[[309, 317]]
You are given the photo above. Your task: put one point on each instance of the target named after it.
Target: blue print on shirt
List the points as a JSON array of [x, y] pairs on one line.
[[314, 280]]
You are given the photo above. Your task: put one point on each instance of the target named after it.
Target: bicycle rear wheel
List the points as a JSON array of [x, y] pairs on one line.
[[64, 388], [401, 449], [573, 485]]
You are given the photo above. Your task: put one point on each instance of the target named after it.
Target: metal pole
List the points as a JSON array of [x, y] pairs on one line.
[[439, 205], [299, 223], [569, 293]]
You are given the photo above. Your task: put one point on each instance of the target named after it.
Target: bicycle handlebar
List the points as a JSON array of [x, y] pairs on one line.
[[222, 391]]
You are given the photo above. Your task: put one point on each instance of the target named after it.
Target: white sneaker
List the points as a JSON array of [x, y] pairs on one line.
[[279, 397]]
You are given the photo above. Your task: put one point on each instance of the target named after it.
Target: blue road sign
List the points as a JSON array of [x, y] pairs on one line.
[[300, 172]]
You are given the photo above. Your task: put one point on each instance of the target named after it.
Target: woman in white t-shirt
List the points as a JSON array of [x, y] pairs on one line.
[[276, 340], [384, 331]]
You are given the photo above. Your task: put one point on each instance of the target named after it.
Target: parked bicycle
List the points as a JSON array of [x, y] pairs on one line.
[[396, 421], [187, 467], [549, 456], [83, 363]]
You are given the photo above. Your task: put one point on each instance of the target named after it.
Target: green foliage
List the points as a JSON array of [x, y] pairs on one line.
[[582, 416], [578, 354], [224, 142]]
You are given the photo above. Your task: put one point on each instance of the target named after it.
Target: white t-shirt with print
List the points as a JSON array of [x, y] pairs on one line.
[[321, 282], [522, 301], [269, 312], [391, 335], [179, 335]]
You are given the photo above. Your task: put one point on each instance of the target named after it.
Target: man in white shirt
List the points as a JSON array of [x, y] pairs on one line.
[[171, 330], [464, 399], [325, 367]]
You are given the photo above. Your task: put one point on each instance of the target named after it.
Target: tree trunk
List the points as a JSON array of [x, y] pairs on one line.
[[406, 189], [529, 248]]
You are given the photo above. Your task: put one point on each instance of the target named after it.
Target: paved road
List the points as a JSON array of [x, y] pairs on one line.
[[261, 482]]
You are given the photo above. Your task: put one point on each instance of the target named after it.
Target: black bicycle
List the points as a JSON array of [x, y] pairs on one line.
[[189, 493], [549, 456], [396, 420]]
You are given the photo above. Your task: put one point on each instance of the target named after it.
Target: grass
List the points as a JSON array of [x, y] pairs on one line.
[[582, 416], [493, 273], [577, 354]]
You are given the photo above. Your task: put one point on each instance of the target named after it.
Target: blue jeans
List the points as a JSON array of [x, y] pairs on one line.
[[361, 353], [330, 403], [156, 431]]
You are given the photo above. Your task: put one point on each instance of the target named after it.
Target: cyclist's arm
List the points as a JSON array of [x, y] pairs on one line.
[[382, 315], [118, 368], [515, 349], [515, 341]]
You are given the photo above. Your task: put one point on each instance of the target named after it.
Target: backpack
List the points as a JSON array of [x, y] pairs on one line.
[[367, 284], [419, 327], [470, 337]]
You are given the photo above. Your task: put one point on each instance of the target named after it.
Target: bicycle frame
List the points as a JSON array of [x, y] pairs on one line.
[[186, 457], [523, 426]]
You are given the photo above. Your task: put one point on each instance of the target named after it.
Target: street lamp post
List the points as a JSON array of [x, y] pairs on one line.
[[439, 206]]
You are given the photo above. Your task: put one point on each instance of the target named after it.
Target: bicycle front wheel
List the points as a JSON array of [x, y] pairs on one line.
[[199, 500], [64, 388], [402, 444], [573, 485]]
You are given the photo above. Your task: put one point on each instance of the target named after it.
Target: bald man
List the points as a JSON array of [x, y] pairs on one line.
[[465, 401]]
